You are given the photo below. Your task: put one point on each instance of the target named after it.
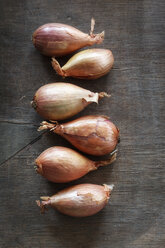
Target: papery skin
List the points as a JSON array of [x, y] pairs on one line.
[[61, 164], [80, 200], [92, 134], [59, 101], [56, 39], [87, 64]]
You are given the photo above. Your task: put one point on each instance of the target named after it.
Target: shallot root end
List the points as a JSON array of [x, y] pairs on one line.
[[42, 206], [34, 105], [46, 125], [57, 67]]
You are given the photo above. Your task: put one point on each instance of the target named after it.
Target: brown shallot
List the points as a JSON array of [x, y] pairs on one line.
[[87, 64], [56, 39], [59, 101], [61, 164], [92, 134], [78, 201]]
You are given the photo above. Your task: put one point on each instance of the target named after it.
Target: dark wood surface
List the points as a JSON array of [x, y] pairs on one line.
[[135, 215]]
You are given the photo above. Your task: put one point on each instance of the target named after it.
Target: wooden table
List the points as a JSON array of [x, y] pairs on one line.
[[135, 215]]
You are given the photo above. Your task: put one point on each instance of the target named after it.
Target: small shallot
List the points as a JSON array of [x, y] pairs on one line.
[[87, 64], [59, 101], [56, 39], [61, 164], [92, 134], [78, 201]]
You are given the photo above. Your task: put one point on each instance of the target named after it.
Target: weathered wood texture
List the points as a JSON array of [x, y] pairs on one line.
[[135, 216]]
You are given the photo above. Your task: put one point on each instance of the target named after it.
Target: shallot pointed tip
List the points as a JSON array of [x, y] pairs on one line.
[[114, 152], [45, 198], [102, 34], [108, 161], [104, 94], [109, 187], [98, 38], [92, 26], [113, 157]]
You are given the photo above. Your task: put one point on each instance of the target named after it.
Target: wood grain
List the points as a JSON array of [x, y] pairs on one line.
[[135, 215]]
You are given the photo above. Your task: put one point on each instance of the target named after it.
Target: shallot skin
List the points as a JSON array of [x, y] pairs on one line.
[[61, 164], [87, 64], [92, 134], [56, 39], [80, 200], [59, 101]]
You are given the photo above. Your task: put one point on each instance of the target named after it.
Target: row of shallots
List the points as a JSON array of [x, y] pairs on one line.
[[93, 134]]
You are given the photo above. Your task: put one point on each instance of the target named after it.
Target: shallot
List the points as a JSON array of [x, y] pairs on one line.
[[78, 201], [61, 164], [58, 101], [56, 39], [92, 134], [87, 64]]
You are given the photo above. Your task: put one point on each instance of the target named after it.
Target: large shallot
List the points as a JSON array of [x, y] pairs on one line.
[[92, 134]]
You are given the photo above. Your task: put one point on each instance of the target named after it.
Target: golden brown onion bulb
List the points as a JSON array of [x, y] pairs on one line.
[[78, 201], [56, 39], [92, 134], [59, 101], [87, 64], [61, 165]]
